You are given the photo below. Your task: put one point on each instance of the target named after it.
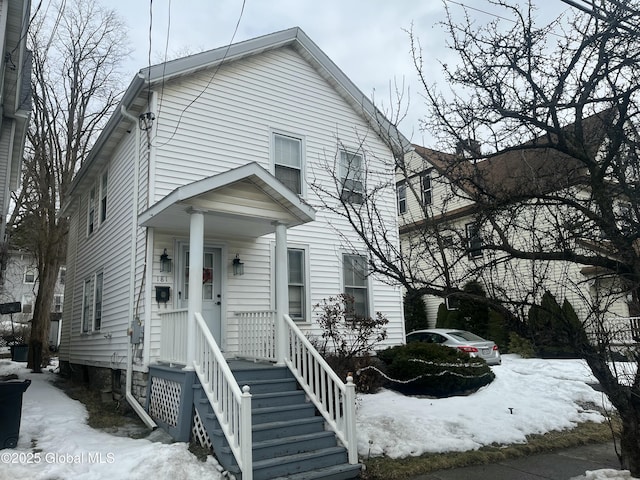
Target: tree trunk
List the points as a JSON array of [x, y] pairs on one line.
[[630, 439], [39, 339]]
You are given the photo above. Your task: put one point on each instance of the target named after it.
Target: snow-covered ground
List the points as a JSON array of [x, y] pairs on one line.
[[528, 396]]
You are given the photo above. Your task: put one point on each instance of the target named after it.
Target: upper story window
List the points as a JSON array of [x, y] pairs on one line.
[[103, 197], [474, 240], [354, 270], [57, 303], [87, 301], [427, 193], [297, 284], [30, 275], [91, 211], [62, 276], [401, 193], [351, 177], [287, 159]]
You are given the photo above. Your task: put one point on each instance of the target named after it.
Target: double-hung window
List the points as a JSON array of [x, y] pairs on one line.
[[30, 275], [351, 177], [91, 211], [103, 197], [87, 304], [427, 193], [97, 302], [356, 283], [474, 240], [287, 157], [401, 193], [297, 284]]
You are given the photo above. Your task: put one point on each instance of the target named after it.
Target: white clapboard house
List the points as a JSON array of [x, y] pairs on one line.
[[197, 239]]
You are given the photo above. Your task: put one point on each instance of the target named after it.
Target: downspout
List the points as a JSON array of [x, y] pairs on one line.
[[144, 416]]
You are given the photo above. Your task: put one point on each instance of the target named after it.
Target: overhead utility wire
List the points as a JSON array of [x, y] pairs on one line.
[[235, 31]]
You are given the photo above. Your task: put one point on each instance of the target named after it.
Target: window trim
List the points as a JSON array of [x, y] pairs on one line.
[[351, 196], [401, 198], [426, 192], [368, 285], [273, 132], [473, 234]]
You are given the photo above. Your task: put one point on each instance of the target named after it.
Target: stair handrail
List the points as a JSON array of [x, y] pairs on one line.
[[230, 403], [334, 399]]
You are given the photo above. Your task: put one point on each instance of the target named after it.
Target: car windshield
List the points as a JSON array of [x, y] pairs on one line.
[[468, 336]]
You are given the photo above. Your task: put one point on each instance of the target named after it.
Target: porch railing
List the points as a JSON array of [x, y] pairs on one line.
[[623, 330], [256, 331], [231, 404], [334, 399], [173, 338]]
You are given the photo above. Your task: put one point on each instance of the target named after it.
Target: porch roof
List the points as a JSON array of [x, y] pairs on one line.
[[245, 201]]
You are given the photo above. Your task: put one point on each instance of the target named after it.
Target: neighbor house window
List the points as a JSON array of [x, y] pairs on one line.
[[351, 177], [103, 197], [87, 293], [29, 275], [297, 287], [63, 275], [57, 303], [97, 302], [287, 156], [474, 240], [356, 283], [27, 304], [91, 211], [427, 196], [402, 198]]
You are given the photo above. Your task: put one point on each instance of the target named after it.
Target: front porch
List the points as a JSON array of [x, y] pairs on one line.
[[262, 419]]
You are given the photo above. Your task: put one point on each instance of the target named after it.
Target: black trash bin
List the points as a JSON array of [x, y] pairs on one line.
[[20, 352], [11, 411]]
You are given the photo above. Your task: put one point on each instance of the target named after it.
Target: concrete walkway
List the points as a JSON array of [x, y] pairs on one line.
[[561, 465]]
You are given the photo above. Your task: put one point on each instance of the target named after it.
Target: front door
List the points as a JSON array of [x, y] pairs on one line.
[[211, 287]]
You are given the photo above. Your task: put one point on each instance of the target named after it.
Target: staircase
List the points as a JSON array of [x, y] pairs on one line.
[[289, 439]]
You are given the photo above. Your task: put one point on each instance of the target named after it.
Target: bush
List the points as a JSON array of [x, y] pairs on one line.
[[521, 346], [415, 312], [434, 370], [366, 371]]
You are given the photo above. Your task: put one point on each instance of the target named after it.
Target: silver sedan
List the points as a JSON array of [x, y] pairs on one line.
[[465, 341]]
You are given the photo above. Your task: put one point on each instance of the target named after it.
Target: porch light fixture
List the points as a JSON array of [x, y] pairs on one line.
[[165, 262], [238, 266]]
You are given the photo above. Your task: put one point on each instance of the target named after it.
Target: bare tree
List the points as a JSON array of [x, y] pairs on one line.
[[541, 126], [78, 47]]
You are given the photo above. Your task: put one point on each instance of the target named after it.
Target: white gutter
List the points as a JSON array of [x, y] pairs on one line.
[[144, 416]]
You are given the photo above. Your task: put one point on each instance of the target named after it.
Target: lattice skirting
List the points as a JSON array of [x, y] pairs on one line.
[[198, 433], [164, 400]]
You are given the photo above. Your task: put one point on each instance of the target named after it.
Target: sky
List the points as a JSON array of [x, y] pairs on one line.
[[528, 396], [367, 39]]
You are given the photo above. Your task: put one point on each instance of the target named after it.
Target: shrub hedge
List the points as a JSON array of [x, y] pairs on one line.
[[433, 370]]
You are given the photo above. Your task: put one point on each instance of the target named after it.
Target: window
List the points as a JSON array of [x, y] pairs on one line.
[[29, 275], [27, 304], [402, 198], [426, 189], [351, 177], [63, 275], [57, 303], [287, 155], [103, 197], [87, 293], [91, 211], [474, 240], [355, 282], [297, 287], [97, 303]]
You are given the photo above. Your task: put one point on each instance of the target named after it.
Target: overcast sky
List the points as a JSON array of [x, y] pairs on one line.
[[367, 39]]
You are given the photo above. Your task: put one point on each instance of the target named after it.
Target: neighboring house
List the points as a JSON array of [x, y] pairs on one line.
[[20, 285], [210, 165], [15, 100], [439, 220]]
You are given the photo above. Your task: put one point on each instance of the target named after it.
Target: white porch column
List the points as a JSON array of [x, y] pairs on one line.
[[282, 291], [196, 261]]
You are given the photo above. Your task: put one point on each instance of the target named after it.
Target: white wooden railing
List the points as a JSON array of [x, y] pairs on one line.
[[256, 331], [173, 337], [335, 400], [231, 404], [623, 330]]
